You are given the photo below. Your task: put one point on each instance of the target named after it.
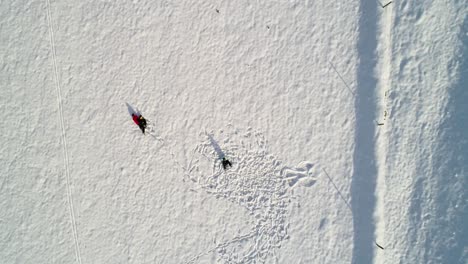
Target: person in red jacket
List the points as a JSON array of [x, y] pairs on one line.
[[140, 121]]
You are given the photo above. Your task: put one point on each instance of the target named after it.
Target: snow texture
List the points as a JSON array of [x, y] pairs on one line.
[[345, 123]]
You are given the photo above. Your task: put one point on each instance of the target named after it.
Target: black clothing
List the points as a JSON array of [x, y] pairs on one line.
[[142, 123], [226, 163], [142, 127]]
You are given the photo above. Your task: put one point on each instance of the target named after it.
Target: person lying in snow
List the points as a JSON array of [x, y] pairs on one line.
[[226, 163], [140, 121]]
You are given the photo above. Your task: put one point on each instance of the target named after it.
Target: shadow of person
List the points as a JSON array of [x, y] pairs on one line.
[[132, 110], [216, 147]]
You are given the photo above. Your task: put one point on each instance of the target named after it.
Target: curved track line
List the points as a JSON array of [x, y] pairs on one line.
[[224, 244], [62, 124]]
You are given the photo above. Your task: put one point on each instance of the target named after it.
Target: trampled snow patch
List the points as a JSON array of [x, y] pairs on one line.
[[257, 182]]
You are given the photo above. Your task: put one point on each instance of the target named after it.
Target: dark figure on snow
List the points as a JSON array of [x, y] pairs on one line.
[[226, 163], [140, 121]]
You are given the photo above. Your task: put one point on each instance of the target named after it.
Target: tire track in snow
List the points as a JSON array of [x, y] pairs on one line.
[[63, 135]]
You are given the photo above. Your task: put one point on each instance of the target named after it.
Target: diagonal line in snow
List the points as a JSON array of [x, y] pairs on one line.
[[345, 83], [63, 135], [346, 202], [336, 188]]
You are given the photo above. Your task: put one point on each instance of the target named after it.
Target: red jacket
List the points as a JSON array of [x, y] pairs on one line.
[[136, 119]]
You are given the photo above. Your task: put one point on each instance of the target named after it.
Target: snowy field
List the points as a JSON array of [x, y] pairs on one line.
[[345, 123]]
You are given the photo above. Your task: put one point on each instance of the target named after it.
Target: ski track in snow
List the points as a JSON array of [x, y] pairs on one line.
[[384, 69], [63, 134], [257, 182]]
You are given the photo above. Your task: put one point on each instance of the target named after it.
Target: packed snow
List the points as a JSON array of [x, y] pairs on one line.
[[345, 123]]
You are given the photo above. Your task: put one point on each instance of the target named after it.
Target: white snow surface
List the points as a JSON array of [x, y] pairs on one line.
[[345, 123]]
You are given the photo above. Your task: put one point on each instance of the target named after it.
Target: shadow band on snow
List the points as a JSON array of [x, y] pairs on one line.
[[364, 175], [216, 147]]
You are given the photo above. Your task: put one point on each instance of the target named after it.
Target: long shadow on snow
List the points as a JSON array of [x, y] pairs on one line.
[[365, 171], [132, 110], [216, 147]]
